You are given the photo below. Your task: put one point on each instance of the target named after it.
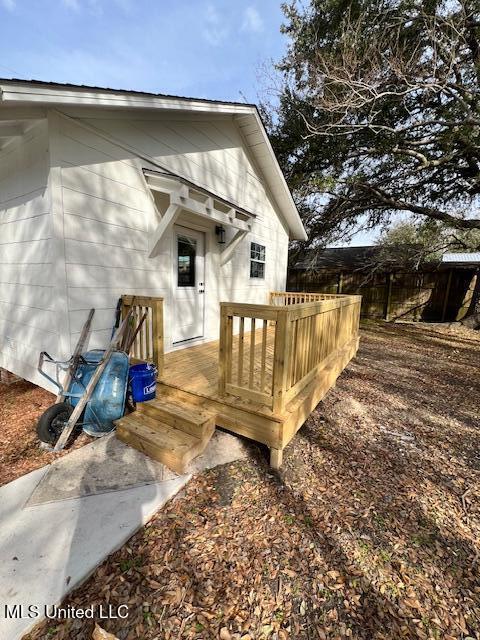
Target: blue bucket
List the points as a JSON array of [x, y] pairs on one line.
[[143, 381]]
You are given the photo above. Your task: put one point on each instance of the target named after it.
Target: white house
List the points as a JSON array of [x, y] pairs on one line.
[[106, 192]]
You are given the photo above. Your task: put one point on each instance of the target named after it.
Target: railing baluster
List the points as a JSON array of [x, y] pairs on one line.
[[311, 363], [251, 372], [264, 356], [148, 321], [141, 355], [291, 346], [139, 335], [318, 334], [307, 346], [143, 350], [241, 339], [301, 358], [136, 350]]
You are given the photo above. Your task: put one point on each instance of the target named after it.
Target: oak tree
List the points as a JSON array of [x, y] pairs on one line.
[[379, 112]]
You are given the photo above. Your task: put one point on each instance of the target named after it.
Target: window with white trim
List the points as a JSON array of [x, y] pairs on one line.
[[257, 260]]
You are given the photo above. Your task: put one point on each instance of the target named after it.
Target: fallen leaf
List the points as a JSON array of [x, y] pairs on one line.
[[101, 634]]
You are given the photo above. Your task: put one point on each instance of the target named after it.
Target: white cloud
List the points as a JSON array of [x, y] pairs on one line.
[[94, 7], [72, 4], [9, 5], [252, 21], [126, 6], [215, 30]]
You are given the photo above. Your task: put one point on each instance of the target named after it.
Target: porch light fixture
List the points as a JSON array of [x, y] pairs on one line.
[[220, 233]]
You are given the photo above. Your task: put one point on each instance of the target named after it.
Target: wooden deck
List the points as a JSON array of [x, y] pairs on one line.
[[196, 370], [191, 377], [262, 379]]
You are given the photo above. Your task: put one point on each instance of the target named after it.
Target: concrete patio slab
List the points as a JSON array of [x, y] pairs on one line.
[[49, 548], [107, 464], [103, 466]]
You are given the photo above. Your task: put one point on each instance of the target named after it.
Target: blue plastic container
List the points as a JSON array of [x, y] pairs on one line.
[[143, 381], [107, 402]]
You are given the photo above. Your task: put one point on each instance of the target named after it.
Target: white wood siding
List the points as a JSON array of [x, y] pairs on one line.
[[27, 316], [109, 216], [76, 217]]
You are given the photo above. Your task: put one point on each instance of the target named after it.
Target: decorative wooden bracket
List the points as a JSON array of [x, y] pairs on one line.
[[227, 253], [169, 217], [186, 196]]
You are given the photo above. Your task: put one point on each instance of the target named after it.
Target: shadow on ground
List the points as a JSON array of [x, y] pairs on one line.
[[371, 529]]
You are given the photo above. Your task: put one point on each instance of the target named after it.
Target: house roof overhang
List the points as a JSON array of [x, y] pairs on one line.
[[184, 195], [169, 182], [15, 93]]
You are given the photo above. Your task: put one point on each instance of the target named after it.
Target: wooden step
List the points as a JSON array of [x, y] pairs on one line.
[[158, 440], [190, 419]]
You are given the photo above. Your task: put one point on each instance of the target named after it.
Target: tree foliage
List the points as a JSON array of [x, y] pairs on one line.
[[413, 244], [379, 112]]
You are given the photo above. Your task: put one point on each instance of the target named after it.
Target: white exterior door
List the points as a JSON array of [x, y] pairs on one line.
[[188, 284]]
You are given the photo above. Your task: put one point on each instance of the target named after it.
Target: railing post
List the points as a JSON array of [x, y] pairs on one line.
[[281, 359], [149, 345], [157, 336], [225, 348]]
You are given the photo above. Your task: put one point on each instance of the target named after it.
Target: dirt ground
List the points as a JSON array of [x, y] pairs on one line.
[[371, 529], [21, 404]]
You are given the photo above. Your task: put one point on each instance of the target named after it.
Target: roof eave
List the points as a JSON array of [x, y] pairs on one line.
[[294, 221], [18, 93]]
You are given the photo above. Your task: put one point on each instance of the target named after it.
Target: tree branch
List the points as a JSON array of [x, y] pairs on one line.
[[430, 212]]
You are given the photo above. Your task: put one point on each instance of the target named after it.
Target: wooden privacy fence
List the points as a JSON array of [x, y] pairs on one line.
[[148, 345], [269, 353], [427, 295]]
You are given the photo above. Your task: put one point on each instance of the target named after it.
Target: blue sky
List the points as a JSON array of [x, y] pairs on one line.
[[212, 49]]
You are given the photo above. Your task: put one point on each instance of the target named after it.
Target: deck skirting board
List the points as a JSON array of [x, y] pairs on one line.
[[317, 390]]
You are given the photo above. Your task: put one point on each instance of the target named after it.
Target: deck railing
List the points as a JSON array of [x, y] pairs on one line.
[[281, 298], [148, 345], [269, 353]]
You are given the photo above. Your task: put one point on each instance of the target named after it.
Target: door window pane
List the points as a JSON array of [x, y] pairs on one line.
[[187, 250]]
